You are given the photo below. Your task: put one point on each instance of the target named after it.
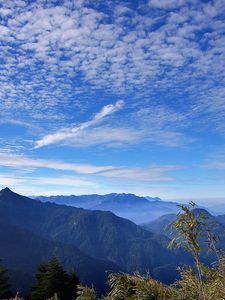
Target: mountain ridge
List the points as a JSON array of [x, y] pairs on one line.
[[130, 206], [100, 235]]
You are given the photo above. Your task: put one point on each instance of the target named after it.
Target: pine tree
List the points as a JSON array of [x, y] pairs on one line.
[[4, 285], [52, 279]]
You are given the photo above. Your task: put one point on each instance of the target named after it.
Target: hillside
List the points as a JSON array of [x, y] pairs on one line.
[[31, 250], [216, 224], [100, 235], [160, 225]]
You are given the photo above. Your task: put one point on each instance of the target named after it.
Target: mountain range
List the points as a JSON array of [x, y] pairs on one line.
[[89, 242], [129, 206]]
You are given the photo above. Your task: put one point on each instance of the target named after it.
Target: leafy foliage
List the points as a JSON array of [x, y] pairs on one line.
[[86, 293], [125, 286]]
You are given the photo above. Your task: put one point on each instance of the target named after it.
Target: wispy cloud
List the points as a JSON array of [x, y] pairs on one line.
[[19, 162], [153, 125], [215, 161], [105, 136], [21, 180], [9, 180], [69, 133], [147, 174], [48, 185]]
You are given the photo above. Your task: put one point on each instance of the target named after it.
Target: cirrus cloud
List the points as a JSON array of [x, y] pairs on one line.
[[70, 133]]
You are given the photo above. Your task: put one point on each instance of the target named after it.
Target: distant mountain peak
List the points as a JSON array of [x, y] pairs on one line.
[[122, 195], [152, 199], [6, 191], [9, 194]]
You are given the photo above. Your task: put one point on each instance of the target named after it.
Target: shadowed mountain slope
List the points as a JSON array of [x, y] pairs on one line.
[[101, 235], [22, 251]]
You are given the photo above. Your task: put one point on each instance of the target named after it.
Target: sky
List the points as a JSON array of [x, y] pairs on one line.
[[113, 96]]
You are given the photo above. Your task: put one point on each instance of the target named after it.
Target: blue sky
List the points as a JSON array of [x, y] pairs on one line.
[[113, 96]]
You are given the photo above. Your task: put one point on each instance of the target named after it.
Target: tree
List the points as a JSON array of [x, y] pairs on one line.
[[4, 284], [189, 229], [52, 279], [191, 232]]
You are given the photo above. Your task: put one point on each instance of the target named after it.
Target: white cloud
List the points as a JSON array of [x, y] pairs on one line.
[[20, 180], [106, 136], [116, 137], [69, 133], [65, 53], [152, 125], [5, 12], [47, 185], [148, 174], [4, 30], [19, 162], [7, 180], [70, 40], [63, 181], [215, 161], [166, 4]]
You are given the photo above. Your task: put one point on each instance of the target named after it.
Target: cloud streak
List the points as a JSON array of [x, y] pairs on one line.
[[146, 174], [68, 133], [19, 162]]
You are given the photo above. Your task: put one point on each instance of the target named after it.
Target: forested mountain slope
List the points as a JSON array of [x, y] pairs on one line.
[[100, 235]]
